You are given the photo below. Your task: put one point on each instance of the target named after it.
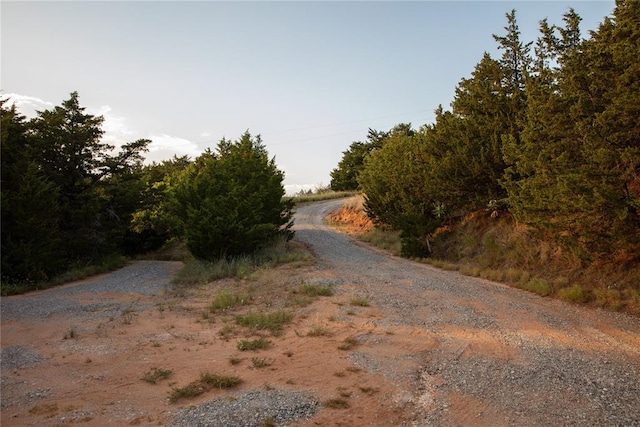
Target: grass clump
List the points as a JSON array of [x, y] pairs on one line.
[[254, 345], [272, 322], [538, 286], [315, 290], [226, 300], [348, 343], [206, 382], [156, 374], [337, 403], [360, 301], [197, 272], [318, 331], [261, 362], [574, 294], [70, 333]]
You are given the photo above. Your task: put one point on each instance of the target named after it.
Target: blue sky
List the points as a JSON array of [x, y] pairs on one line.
[[310, 77]]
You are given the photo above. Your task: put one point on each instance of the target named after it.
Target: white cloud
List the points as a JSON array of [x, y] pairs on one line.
[[27, 105], [165, 146], [205, 134], [115, 130]]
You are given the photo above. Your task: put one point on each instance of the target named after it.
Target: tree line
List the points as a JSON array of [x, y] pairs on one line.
[[69, 199], [549, 132]]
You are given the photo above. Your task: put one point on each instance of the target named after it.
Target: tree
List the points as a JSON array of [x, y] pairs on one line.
[[575, 177], [30, 237], [230, 202], [345, 176], [70, 152], [397, 193]]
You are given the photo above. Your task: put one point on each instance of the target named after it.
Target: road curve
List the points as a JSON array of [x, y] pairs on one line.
[[503, 356]]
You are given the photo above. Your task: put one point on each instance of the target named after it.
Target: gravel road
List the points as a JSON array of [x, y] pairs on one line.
[[504, 356], [139, 277]]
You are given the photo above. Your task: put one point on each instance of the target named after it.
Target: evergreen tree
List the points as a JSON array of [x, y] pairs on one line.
[[345, 176], [230, 202], [30, 238], [575, 175]]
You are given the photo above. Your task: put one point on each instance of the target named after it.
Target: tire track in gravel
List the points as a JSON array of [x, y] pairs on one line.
[[504, 356]]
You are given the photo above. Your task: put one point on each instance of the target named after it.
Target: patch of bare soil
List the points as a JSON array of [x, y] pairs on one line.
[[90, 369]]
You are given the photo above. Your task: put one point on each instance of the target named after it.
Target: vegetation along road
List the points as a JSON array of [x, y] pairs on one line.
[[480, 353], [395, 343]]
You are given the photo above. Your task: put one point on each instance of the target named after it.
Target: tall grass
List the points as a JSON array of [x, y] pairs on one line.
[[198, 272]]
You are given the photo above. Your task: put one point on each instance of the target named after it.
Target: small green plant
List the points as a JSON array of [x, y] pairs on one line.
[[70, 333], [538, 286], [315, 290], [268, 422], [205, 383], [348, 343], [360, 301], [575, 293], [337, 403], [254, 345], [272, 322], [369, 390], [261, 362], [226, 300], [235, 360], [156, 374]]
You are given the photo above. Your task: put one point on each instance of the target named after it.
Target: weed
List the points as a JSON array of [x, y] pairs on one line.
[[337, 403], [538, 286], [47, 409], [156, 374], [205, 383], [339, 374], [288, 353], [226, 300], [315, 290], [155, 344], [273, 321], [298, 301], [354, 369], [268, 422], [369, 390], [226, 332], [348, 343], [253, 345], [360, 301], [70, 333], [261, 362], [318, 331], [235, 360], [575, 293]]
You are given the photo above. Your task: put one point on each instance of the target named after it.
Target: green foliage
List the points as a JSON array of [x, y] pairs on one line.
[[154, 375], [272, 322], [206, 382], [230, 202], [253, 345], [345, 176], [226, 300], [575, 176], [66, 199]]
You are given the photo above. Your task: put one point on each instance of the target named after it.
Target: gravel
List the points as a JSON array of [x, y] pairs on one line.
[[255, 408], [140, 277], [590, 376]]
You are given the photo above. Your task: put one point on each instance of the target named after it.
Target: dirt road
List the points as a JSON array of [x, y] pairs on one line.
[[429, 348], [497, 355]]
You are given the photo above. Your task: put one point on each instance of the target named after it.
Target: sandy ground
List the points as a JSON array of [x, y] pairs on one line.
[[95, 377], [484, 355]]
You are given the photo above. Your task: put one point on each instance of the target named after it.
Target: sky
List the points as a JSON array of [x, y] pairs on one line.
[[309, 77]]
